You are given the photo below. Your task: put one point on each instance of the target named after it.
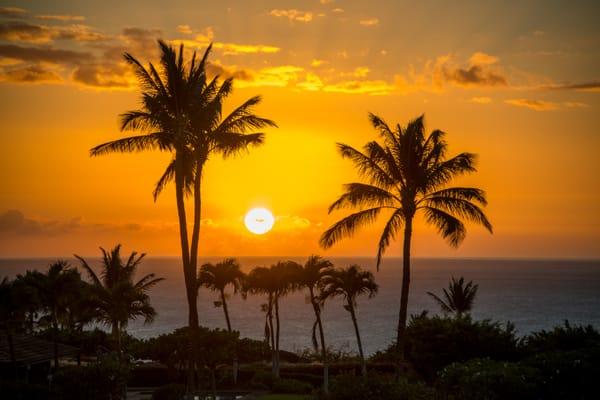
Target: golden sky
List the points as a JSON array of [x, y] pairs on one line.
[[516, 83]]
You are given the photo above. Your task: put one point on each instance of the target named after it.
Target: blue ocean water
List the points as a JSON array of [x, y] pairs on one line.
[[533, 294]]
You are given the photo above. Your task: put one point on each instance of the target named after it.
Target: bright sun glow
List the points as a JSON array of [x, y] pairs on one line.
[[259, 220]]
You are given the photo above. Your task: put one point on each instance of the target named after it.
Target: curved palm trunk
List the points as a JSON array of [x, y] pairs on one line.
[[317, 310], [224, 302], [360, 348], [401, 339], [189, 274]]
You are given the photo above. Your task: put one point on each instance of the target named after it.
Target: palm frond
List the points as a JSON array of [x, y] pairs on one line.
[[347, 226], [449, 227], [389, 233], [361, 194]]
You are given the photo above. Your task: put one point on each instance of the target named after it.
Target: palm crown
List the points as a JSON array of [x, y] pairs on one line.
[[349, 283], [458, 298], [407, 171]]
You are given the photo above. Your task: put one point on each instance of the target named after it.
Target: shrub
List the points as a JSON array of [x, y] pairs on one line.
[[262, 379], [567, 374], [488, 379], [106, 378], [350, 387], [564, 337], [434, 342], [291, 386], [172, 391], [23, 391]]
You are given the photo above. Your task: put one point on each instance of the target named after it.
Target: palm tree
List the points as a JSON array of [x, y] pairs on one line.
[[311, 278], [217, 277], [407, 172], [276, 282], [459, 297], [349, 283], [182, 111], [12, 316], [118, 298], [260, 281], [56, 289]]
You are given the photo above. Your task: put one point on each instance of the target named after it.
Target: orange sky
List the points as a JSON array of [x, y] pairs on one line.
[[517, 84]]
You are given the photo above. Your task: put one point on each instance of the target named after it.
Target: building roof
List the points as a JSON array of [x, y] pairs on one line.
[[31, 350]]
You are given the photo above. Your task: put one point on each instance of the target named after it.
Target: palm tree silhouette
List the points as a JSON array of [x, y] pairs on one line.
[[118, 298], [311, 277], [182, 113], [56, 289], [276, 282], [407, 172], [217, 277], [349, 283], [459, 298]]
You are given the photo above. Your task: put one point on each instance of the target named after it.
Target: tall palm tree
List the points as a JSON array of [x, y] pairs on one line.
[[458, 298], [166, 98], [182, 111], [217, 277], [311, 277], [56, 289], [118, 297], [349, 283], [406, 172]]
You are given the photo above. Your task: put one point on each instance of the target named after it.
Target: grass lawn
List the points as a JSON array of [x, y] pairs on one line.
[[284, 397]]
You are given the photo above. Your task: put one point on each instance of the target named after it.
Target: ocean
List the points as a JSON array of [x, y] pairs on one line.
[[532, 294]]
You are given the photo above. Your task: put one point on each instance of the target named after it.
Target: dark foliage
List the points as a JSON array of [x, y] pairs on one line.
[[172, 391], [350, 387]]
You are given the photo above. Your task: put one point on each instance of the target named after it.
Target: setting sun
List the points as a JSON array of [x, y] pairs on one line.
[[259, 220]]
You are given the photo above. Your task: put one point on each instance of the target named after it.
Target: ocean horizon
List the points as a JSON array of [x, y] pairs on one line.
[[533, 294]]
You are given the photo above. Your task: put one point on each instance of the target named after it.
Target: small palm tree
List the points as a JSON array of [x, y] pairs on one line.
[[118, 298], [12, 316], [407, 172], [276, 282], [349, 283], [56, 290], [459, 298], [217, 277], [311, 277]]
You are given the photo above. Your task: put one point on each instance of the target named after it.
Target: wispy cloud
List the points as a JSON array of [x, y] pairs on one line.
[[12, 12], [61, 17], [293, 14], [369, 21], [536, 105], [592, 86], [481, 100], [35, 33]]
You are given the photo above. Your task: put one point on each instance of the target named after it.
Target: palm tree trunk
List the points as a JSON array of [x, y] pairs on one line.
[[322, 337], [197, 218], [401, 339], [225, 310], [272, 335], [360, 348], [277, 336], [55, 337]]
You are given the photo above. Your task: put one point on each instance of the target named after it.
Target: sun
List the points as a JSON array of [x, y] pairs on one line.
[[259, 220]]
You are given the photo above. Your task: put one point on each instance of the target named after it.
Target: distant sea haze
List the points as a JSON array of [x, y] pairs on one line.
[[533, 294]]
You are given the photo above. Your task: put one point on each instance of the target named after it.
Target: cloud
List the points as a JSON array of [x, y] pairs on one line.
[[293, 14], [29, 74], [537, 105], [12, 12], [377, 87], [14, 222], [33, 33], [235, 49], [326, 1], [481, 70], [61, 17], [185, 29], [214, 68], [481, 100], [591, 86], [44, 54], [337, 10], [104, 76], [369, 21], [575, 104]]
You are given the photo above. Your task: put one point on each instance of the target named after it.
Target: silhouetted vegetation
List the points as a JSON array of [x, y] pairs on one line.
[[458, 298]]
